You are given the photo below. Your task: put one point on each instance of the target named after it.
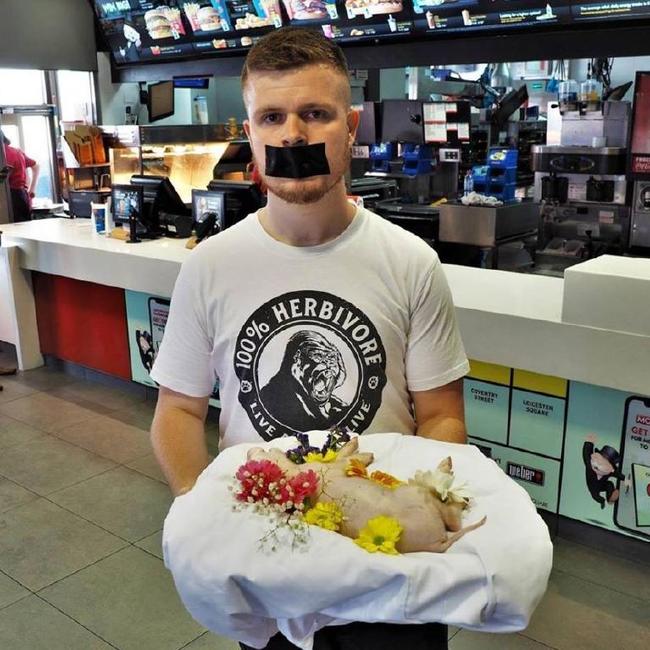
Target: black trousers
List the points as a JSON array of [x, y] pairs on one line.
[[20, 205], [371, 636]]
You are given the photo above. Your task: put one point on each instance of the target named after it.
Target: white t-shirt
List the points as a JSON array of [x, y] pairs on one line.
[[304, 338]]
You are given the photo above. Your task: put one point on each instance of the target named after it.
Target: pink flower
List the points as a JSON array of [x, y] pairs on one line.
[[304, 485], [258, 479]]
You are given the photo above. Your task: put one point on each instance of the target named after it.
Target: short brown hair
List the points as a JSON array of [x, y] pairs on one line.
[[293, 47]]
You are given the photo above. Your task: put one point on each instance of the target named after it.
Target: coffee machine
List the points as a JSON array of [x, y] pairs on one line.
[[582, 186]]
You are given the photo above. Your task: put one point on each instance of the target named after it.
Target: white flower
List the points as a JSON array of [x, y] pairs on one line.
[[442, 483]]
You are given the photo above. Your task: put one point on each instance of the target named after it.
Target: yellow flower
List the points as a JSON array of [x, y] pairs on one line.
[[325, 515], [356, 468], [380, 534], [317, 457], [387, 480]]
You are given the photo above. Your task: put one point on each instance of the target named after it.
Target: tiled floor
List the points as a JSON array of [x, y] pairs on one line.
[[82, 504]]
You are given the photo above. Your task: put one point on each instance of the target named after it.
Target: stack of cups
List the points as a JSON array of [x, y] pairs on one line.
[[98, 217]]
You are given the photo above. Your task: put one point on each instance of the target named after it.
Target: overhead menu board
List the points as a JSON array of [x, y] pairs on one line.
[[154, 30]]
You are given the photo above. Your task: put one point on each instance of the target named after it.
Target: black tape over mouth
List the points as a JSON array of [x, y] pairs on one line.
[[302, 161]]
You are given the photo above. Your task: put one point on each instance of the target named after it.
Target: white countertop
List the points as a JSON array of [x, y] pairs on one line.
[[69, 247], [512, 319]]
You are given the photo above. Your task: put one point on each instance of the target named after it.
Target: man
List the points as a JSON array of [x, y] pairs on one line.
[[354, 311], [22, 192]]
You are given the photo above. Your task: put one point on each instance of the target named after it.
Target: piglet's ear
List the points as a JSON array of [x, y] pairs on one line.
[[254, 452], [349, 448]]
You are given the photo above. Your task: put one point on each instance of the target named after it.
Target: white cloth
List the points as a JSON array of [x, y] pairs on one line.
[[489, 580], [305, 338]]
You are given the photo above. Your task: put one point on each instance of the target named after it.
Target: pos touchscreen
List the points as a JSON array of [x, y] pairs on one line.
[[126, 200]]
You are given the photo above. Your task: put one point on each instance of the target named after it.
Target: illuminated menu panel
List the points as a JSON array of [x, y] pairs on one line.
[[585, 11], [147, 30]]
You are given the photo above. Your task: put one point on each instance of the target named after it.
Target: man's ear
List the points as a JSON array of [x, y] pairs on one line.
[[247, 128], [353, 124]]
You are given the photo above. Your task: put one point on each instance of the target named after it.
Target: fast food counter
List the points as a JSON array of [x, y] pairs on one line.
[[559, 366], [536, 322]]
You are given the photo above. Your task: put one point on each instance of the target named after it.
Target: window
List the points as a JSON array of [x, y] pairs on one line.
[[22, 87], [76, 96]]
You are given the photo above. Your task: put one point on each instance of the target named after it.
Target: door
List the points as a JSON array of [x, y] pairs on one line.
[[31, 130]]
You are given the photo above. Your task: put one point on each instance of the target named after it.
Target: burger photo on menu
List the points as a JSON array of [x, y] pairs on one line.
[[164, 22], [369, 8], [306, 9], [204, 17]]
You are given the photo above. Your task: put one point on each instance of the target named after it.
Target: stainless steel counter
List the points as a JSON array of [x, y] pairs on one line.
[[487, 226]]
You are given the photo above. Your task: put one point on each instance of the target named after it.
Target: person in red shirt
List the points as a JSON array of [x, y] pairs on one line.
[[22, 192]]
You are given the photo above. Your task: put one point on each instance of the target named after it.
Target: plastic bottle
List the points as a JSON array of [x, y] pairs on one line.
[[468, 183], [568, 95], [591, 92]]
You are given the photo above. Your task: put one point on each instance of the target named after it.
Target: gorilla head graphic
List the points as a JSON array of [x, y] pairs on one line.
[[301, 394]]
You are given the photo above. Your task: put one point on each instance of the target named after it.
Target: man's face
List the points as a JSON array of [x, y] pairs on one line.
[[308, 105]]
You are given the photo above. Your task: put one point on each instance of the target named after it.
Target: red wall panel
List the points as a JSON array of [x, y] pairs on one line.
[[83, 322]]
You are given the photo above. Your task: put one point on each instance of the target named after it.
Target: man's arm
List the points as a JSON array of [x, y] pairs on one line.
[[440, 413], [178, 438], [35, 169]]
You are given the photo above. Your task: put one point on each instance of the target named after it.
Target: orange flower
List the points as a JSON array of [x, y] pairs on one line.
[[356, 468], [387, 480]]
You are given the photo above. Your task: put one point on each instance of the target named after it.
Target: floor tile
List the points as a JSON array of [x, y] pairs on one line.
[[10, 591], [42, 543], [13, 432], [12, 389], [467, 640], [108, 438], [452, 630], [46, 412], [128, 599], [209, 641], [579, 615], [152, 544], [50, 464], [139, 415], [32, 624], [148, 465], [44, 378], [103, 397], [12, 495], [611, 571], [122, 501]]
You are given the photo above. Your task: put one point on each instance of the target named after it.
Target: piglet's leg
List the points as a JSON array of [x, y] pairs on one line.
[[442, 545], [451, 515]]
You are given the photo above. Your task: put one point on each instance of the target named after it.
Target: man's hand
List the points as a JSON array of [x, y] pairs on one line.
[[440, 413], [178, 438]]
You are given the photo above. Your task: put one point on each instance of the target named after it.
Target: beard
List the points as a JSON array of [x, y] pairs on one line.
[[303, 191]]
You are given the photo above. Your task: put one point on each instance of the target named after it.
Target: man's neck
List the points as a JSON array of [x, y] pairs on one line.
[[308, 224]]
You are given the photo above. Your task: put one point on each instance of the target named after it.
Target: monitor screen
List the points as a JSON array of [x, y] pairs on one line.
[[508, 104], [205, 202], [159, 195], [125, 201], [241, 198], [367, 131], [160, 100], [401, 121]]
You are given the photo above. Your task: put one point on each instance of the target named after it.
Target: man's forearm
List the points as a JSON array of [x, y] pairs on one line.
[[444, 428], [178, 440]]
